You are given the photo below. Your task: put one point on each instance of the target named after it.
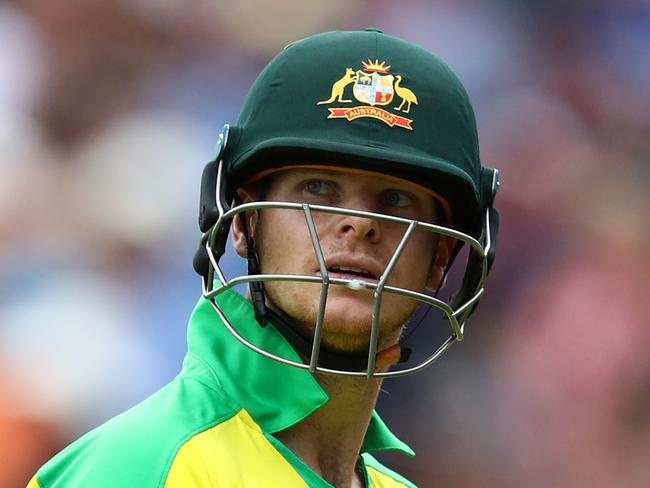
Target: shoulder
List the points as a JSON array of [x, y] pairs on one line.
[[138, 447]]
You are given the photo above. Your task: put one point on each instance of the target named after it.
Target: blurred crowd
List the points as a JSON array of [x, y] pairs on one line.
[[109, 110]]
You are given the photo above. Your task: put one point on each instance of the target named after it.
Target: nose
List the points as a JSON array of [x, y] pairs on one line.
[[357, 227]]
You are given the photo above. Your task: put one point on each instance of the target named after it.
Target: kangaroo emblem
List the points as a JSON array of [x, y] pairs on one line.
[[338, 87]]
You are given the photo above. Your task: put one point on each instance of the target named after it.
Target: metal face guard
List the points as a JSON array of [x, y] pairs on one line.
[[216, 283]]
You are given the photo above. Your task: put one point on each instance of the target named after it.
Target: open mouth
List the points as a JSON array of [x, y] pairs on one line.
[[351, 272], [359, 272]]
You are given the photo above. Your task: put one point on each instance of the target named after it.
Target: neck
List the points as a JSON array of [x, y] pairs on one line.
[[329, 441]]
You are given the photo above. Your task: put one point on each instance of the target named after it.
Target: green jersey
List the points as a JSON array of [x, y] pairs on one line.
[[213, 425]]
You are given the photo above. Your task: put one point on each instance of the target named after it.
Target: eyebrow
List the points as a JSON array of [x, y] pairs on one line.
[[319, 172]]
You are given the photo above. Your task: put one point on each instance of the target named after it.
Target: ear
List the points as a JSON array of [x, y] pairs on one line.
[[237, 229], [441, 259]]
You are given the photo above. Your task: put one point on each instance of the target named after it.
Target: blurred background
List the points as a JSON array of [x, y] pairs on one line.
[[109, 110]]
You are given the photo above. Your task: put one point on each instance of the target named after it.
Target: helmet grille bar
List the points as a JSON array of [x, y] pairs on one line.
[[318, 331], [374, 331]]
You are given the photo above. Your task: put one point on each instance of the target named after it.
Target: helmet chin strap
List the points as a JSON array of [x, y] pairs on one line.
[[256, 287], [327, 357]]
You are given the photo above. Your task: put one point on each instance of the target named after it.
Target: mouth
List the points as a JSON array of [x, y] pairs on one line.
[[358, 274], [359, 271], [351, 272]]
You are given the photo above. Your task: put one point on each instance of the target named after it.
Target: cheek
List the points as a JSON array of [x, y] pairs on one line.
[[283, 242], [414, 264], [284, 247]]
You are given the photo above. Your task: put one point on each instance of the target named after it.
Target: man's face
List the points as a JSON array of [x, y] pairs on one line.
[[353, 247]]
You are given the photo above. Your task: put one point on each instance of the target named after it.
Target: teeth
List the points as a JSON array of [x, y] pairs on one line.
[[346, 269]]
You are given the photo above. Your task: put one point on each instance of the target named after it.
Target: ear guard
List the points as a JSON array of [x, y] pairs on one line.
[[488, 227], [210, 203]]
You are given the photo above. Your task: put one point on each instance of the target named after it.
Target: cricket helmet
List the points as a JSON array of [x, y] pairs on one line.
[[365, 101]]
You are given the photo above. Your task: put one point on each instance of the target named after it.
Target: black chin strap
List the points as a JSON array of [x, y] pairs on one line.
[[327, 358], [256, 287]]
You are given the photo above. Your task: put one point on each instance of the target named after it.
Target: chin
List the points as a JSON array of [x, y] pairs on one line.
[[348, 313], [348, 326], [350, 322], [353, 309]]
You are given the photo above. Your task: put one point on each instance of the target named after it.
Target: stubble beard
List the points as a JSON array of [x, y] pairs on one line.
[[343, 332]]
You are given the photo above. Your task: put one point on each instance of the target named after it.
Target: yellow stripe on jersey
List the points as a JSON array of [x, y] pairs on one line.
[[33, 483], [233, 453], [378, 479]]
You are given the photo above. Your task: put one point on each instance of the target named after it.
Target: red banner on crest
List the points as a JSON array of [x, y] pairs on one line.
[[374, 112]]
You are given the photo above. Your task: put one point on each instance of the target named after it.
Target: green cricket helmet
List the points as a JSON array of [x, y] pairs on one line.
[[363, 101]]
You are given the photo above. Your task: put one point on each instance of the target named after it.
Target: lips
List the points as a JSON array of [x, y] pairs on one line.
[[350, 270], [360, 269]]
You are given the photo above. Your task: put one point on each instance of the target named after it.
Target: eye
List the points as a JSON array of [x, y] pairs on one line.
[[396, 198], [318, 187]]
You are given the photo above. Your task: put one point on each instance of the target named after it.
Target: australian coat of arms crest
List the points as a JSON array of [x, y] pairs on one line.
[[375, 87]]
